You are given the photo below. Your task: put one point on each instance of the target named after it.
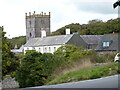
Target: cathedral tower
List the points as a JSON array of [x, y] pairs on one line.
[[35, 23]]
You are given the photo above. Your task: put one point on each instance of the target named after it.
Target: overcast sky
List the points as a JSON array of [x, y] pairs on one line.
[[63, 12]]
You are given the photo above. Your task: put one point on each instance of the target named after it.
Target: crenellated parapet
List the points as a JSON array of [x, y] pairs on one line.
[[34, 15], [1, 27]]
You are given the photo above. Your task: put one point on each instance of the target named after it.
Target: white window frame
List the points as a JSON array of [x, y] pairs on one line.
[[106, 43], [49, 49], [33, 48], [45, 49], [55, 49], [39, 49]]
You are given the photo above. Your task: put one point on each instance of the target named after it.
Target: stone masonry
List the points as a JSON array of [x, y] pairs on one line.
[[36, 22], [10, 83]]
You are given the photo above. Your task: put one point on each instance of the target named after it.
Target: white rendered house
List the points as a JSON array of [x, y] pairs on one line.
[[51, 43]]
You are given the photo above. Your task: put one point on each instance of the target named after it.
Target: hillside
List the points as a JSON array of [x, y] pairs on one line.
[[94, 27], [17, 41]]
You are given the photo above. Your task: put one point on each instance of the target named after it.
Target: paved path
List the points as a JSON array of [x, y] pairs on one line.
[[105, 82]]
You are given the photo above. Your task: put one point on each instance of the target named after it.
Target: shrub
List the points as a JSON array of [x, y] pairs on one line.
[[30, 72], [67, 50], [36, 68], [80, 54]]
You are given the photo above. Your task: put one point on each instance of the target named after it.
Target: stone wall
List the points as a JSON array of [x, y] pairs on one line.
[[10, 83]]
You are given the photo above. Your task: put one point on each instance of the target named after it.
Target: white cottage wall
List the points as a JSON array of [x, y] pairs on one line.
[[43, 49]]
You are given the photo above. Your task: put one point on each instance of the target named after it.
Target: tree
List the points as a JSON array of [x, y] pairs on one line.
[[1, 29], [30, 73], [19, 41], [95, 21], [9, 60], [37, 68], [94, 27], [66, 50]]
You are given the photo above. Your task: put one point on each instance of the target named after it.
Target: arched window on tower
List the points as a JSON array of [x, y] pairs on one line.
[[30, 35]]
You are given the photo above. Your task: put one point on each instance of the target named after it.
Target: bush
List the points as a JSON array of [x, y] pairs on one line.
[[80, 54], [36, 68], [30, 72], [67, 50]]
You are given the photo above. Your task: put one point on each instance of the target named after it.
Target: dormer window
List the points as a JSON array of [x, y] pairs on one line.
[[106, 43]]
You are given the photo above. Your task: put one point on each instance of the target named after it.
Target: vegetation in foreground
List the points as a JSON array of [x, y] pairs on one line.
[[35, 69], [86, 74]]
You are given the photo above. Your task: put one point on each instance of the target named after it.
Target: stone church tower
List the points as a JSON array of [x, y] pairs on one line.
[[35, 23]]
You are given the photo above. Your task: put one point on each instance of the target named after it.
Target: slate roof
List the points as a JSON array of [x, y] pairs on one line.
[[51, 40], [114, 40], [91, 39], [18, 50]]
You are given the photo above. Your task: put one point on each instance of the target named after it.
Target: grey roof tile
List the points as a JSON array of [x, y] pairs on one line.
[[114, 42], [51, 40], [91, 39]]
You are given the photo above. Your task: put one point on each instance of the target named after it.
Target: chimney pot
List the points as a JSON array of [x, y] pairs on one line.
[[43, 33], [67, 31]]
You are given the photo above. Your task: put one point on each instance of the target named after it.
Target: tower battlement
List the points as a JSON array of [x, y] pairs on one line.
[[1, 27], [35, 23], [34, 15]]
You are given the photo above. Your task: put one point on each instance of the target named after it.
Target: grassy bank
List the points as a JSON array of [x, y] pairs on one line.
[[86, 74]]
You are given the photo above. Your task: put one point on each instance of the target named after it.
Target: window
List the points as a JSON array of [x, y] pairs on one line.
[[33, 48], [49, 49], [27, 48], [54, 49], [45, 49], [39, 50], [89, 46], [30, 35], [106, 43]]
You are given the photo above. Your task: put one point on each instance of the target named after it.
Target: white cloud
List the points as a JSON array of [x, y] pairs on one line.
[[63, 12]]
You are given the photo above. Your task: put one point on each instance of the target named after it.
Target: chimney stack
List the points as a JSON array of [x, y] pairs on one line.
[[43, 33], [67, 31]]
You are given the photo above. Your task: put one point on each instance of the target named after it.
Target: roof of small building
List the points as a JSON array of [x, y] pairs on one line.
[[18, 50], [91, 39], [50, 40], [113, 42]]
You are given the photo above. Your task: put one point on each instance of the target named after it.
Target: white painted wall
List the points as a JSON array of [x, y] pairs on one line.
[[43, 49]]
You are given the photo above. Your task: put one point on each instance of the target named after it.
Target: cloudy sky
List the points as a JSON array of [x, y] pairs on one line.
[[63, 12]]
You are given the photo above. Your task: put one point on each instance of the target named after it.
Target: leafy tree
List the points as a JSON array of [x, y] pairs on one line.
[[66, 50], [19, 41], [94, 27], [1, 29], [30, 73], [51, 62], [9, 60], [95, 21], [80, 54], [37, 68]]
